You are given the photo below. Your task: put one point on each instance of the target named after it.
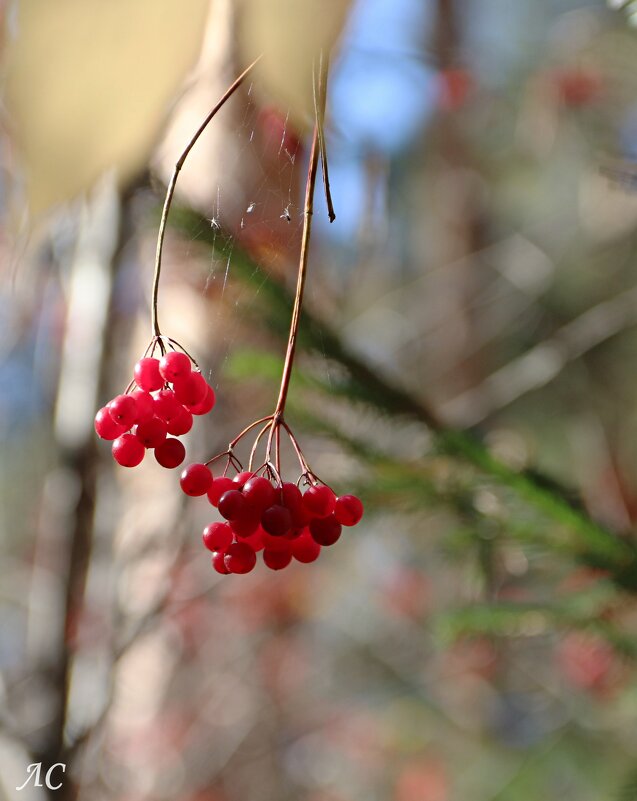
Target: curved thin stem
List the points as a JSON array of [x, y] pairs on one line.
[[302, 274], [171, 191], [305, 242], [297, 448], [247, 429], [260, 435], [319, 90]]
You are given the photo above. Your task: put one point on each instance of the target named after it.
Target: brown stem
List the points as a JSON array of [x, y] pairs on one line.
[[255, 445], [319, 90], [300, 283], [171, 191]]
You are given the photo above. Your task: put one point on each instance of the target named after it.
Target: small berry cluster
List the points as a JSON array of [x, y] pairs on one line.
[[265, 513], [168, 393]]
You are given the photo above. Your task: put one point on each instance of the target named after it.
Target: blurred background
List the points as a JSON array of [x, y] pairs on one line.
[[466, 366]]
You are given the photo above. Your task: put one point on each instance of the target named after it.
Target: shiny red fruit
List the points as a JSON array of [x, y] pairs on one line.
[[181, 423], [123, 410], [147, 375], [191, 390], [106, 427], [348, 510], [174, 366], [242, 478], [233, 506], [196, 479], [276, 520], [276, 560], [293, 501], [170, 453], [151, 433], [217, 536], [246, 525], [255, 541], [167, 407], [325, 530], [305, 549], [240, 558], [145, 405], [218, 487], [319, 500], [204, 406], [128, 450], [259, 493], [273, 543], [218, 562]]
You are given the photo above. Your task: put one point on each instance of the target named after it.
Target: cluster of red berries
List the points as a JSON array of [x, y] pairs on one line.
[[270, 516], [168, 393]]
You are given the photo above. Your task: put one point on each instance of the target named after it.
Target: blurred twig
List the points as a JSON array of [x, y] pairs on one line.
[[543, 362]]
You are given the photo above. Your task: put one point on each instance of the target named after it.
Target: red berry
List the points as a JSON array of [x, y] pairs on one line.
[[147, 375], [167, 406], [181, 423], [305, 549], [218, 487], [246, 525], [259, 493], [273, 543], [196, 479], [348, 510], [190, 390], [204, 406], [217, 536], [170, 453], [233, 506], [276, 520], [128, 450], [145, 405], [276, 560], [174, 365], [325, 530], [319, 500], [123, 410], [218, 562], [106, 427], [255, 541], [240, 558], [242, 478], [293, 500], [151, 433]]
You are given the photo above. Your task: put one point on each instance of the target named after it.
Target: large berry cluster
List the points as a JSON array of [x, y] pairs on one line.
[[160, 401], [264, 513]]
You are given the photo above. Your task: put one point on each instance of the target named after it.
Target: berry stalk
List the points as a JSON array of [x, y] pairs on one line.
[[171, 191]]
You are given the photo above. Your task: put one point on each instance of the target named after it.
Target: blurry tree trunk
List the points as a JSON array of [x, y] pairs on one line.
[[461, 214], [83, 372]]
